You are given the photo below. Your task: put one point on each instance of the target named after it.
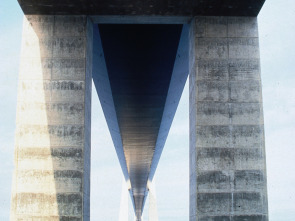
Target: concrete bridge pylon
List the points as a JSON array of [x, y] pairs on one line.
[[139, 58]]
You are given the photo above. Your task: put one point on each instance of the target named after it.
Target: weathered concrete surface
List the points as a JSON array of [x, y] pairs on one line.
[[52, 154], [227, 154], [143, 7], [52, 145]]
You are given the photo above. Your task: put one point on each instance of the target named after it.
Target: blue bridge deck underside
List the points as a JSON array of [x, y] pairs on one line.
[[145, 69]]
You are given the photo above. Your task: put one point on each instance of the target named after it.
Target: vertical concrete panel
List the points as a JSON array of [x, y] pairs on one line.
[[52, 142], [227, 153]]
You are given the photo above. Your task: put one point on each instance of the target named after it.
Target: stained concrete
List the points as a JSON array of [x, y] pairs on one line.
[[52, 144], [59, 54], [227, 153]]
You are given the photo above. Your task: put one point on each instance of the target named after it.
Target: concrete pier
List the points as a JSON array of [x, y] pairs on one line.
[[52, 147], [227, 155], [140, 53], [153, 209]]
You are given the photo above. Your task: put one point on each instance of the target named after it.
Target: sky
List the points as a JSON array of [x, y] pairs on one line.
[[277, 50]]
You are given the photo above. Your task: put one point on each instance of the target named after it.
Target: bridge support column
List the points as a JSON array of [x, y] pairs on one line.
[[227, 155], [52, 146], [153, 209]]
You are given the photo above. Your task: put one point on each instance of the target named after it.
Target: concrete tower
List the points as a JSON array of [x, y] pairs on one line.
[[153, 209], [139, 55], [124, 204]]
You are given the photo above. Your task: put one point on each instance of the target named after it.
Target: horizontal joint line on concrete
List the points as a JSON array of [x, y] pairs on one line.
[[227, 37], [232, 147], [225, 102], [232, 191], [234, 214]]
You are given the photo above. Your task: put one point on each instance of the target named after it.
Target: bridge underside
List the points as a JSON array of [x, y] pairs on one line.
[[141, 74], [144, 7], [139, 71]]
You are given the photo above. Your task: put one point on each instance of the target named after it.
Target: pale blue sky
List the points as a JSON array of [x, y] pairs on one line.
[[277, 35]]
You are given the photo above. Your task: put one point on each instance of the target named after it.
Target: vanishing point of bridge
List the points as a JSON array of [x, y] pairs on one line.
[[139, 55]]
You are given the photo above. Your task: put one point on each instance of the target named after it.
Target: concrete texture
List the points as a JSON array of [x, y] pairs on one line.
[[52, 145], [139, 79], [227, 154], [144, 7]]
